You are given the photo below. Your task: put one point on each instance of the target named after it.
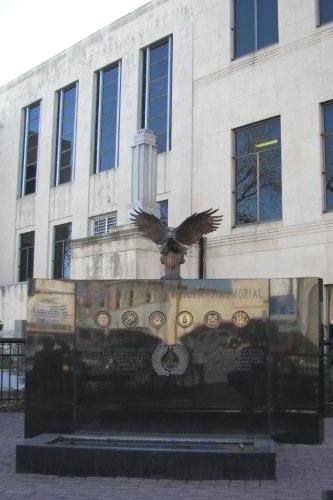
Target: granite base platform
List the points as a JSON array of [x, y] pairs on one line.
[[148, 456]]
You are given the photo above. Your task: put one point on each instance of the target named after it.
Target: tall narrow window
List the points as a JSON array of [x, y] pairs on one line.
[[325, 11], [66, 125], [255, 25], [62, 251], [30, 148], [258, 190], [156, 91], [107, 118], [328, 153], [27, 248]]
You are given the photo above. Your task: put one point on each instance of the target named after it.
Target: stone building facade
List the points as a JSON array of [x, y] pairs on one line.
[[238, 96]]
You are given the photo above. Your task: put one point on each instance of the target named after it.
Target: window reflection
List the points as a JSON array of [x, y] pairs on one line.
[[156, 88], [258, 172], [30, 151], [325, 11], [62, 251], [328, 153], [107, 118], [256, 25], [65, 134]]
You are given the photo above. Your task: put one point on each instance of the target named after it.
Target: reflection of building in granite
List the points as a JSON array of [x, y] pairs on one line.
[[146, 297]]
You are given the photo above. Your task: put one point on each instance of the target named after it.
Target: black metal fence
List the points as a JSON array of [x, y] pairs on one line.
[[12, 370]]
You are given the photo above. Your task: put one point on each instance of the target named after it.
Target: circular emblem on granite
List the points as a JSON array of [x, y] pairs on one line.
[[103, 319], [184, 319], [130, 319], [240, 319], [170, 359], [213, 319], [157, 319]]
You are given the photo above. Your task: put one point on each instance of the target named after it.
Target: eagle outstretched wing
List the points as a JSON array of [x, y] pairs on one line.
[[196, 225], [150, 225]]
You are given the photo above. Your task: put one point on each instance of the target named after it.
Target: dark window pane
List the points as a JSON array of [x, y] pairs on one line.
[[329, 171], [65, 159], [30, 269], [30, 186], [157, 88], [267, 22], [244, 27], [164, 210], [65, 175], [27, 239], [270, 197], [27, 243], [32, 140], [107, 122], [62, 232], [62, 251], [246, 190], [67, 259], [258, 159], [159, 52], [66, 145], [31, 156], [31, 171], [328, 117], [64, 155], [143, 102], [23, 264], [58, 260], [326, 11]]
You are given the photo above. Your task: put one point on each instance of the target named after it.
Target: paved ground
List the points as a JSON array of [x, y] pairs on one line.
[[303, 472]]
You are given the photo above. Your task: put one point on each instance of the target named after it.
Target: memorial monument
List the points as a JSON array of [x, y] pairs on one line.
[[179, 379], [188, 379]]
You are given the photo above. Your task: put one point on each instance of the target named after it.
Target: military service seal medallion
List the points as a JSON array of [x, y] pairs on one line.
[[212, 319], [103, 319], [240, 319], [184, 319], [170, 359], [157, 319], [130, 319]]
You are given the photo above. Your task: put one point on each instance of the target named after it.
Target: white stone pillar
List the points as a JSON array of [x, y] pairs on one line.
[[144, 173]]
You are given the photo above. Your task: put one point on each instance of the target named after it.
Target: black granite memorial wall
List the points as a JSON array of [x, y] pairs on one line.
[[196, 356]]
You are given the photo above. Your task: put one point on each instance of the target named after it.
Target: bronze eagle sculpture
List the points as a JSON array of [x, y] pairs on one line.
[[173, 240]]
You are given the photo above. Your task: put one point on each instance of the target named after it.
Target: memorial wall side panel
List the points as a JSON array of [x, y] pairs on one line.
[[50, 356], [295, 323]]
